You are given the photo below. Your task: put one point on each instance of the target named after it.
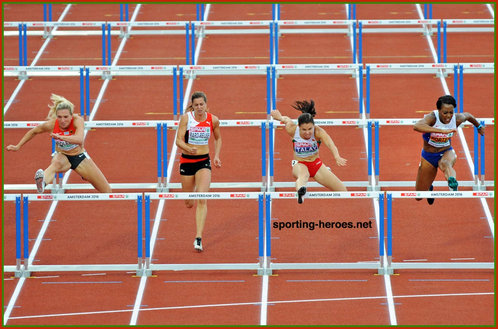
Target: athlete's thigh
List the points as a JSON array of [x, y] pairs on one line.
[[300, 170], [328, 179], [60, 163], [203, 180]]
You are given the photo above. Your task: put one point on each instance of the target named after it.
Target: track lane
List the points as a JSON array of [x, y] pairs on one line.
[[256, 313]]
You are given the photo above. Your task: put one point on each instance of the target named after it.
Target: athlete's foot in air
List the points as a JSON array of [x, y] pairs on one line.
[[430, 200], [452, 184], [40, 181], [300, 194]]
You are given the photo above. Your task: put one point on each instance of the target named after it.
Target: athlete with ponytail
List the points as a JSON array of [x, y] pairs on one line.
[[67, 128], [196, 127], [306, 139]]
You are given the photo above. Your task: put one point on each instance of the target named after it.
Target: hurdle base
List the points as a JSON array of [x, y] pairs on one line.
[[265, 271], [441, 73], [123, 33], [22, 273], [144, 272], [385, 271], [22, 76]]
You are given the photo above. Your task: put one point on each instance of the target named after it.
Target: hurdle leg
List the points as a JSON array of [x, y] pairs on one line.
[[389, 269], [18, 237], [147, 270], [139, 237], [483, 157]]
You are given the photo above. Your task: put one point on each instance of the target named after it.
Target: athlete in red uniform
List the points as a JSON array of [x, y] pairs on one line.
[[67, 128], [195, 128]]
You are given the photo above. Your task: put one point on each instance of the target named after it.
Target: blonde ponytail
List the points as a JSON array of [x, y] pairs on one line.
[[59, 103]]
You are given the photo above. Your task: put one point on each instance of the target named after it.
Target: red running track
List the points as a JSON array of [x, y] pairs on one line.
[[104, 232]]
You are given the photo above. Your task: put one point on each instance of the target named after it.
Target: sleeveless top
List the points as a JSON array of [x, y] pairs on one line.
[[63, 145], [304, 148], [198, 133], [440, 139]]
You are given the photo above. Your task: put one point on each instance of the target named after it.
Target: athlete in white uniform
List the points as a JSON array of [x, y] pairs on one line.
[[438, 127], [306, 138]]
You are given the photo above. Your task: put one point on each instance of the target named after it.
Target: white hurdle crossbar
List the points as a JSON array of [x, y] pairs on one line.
[[26, 269], [264, 266], [163, 125], [378, 265], [429, 194], [149, 267]]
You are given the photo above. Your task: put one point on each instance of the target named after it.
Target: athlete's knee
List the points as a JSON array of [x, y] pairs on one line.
[[445, 164], [189, 203], [105, 189], [58, 164]]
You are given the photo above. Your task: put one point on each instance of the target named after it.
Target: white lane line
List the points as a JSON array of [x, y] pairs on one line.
[[48, 219], [491, 11], [321, 300], [461, 135], [33, 63], [155, 230], [264, 301], [39, 238], [387, 279]]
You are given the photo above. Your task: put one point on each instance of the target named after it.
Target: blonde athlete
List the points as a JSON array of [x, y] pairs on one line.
[[195, 128], [67, 128], [306, 139]]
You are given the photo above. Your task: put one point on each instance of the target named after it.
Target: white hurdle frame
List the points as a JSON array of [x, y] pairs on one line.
[[391, 266], [257, 266], [380, 265], [26, 269], [144, 267]]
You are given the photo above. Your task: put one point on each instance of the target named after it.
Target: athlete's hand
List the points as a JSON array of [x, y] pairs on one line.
[[341, 161], [217, 162], [56, 136], [276, 115], [12, 148], [481, 131], [193, 150]]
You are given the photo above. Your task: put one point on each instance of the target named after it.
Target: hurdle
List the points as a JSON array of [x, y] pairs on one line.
[[479, 149], [17, 198], [24, 267], [257, 266], [446, 23], [391, 266], [425, 26], [328, 69], [124, 12], [161, 126], [374, 265], [479, 179], [458, 73]]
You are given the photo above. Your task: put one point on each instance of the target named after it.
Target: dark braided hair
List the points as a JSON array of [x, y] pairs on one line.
[[308, 110]]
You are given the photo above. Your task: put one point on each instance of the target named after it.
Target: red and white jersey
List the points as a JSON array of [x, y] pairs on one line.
[[63, 145], [198, 133], [304, 148]]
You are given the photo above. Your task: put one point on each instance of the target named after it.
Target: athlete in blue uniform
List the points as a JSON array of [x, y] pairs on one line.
[[438, 127]]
